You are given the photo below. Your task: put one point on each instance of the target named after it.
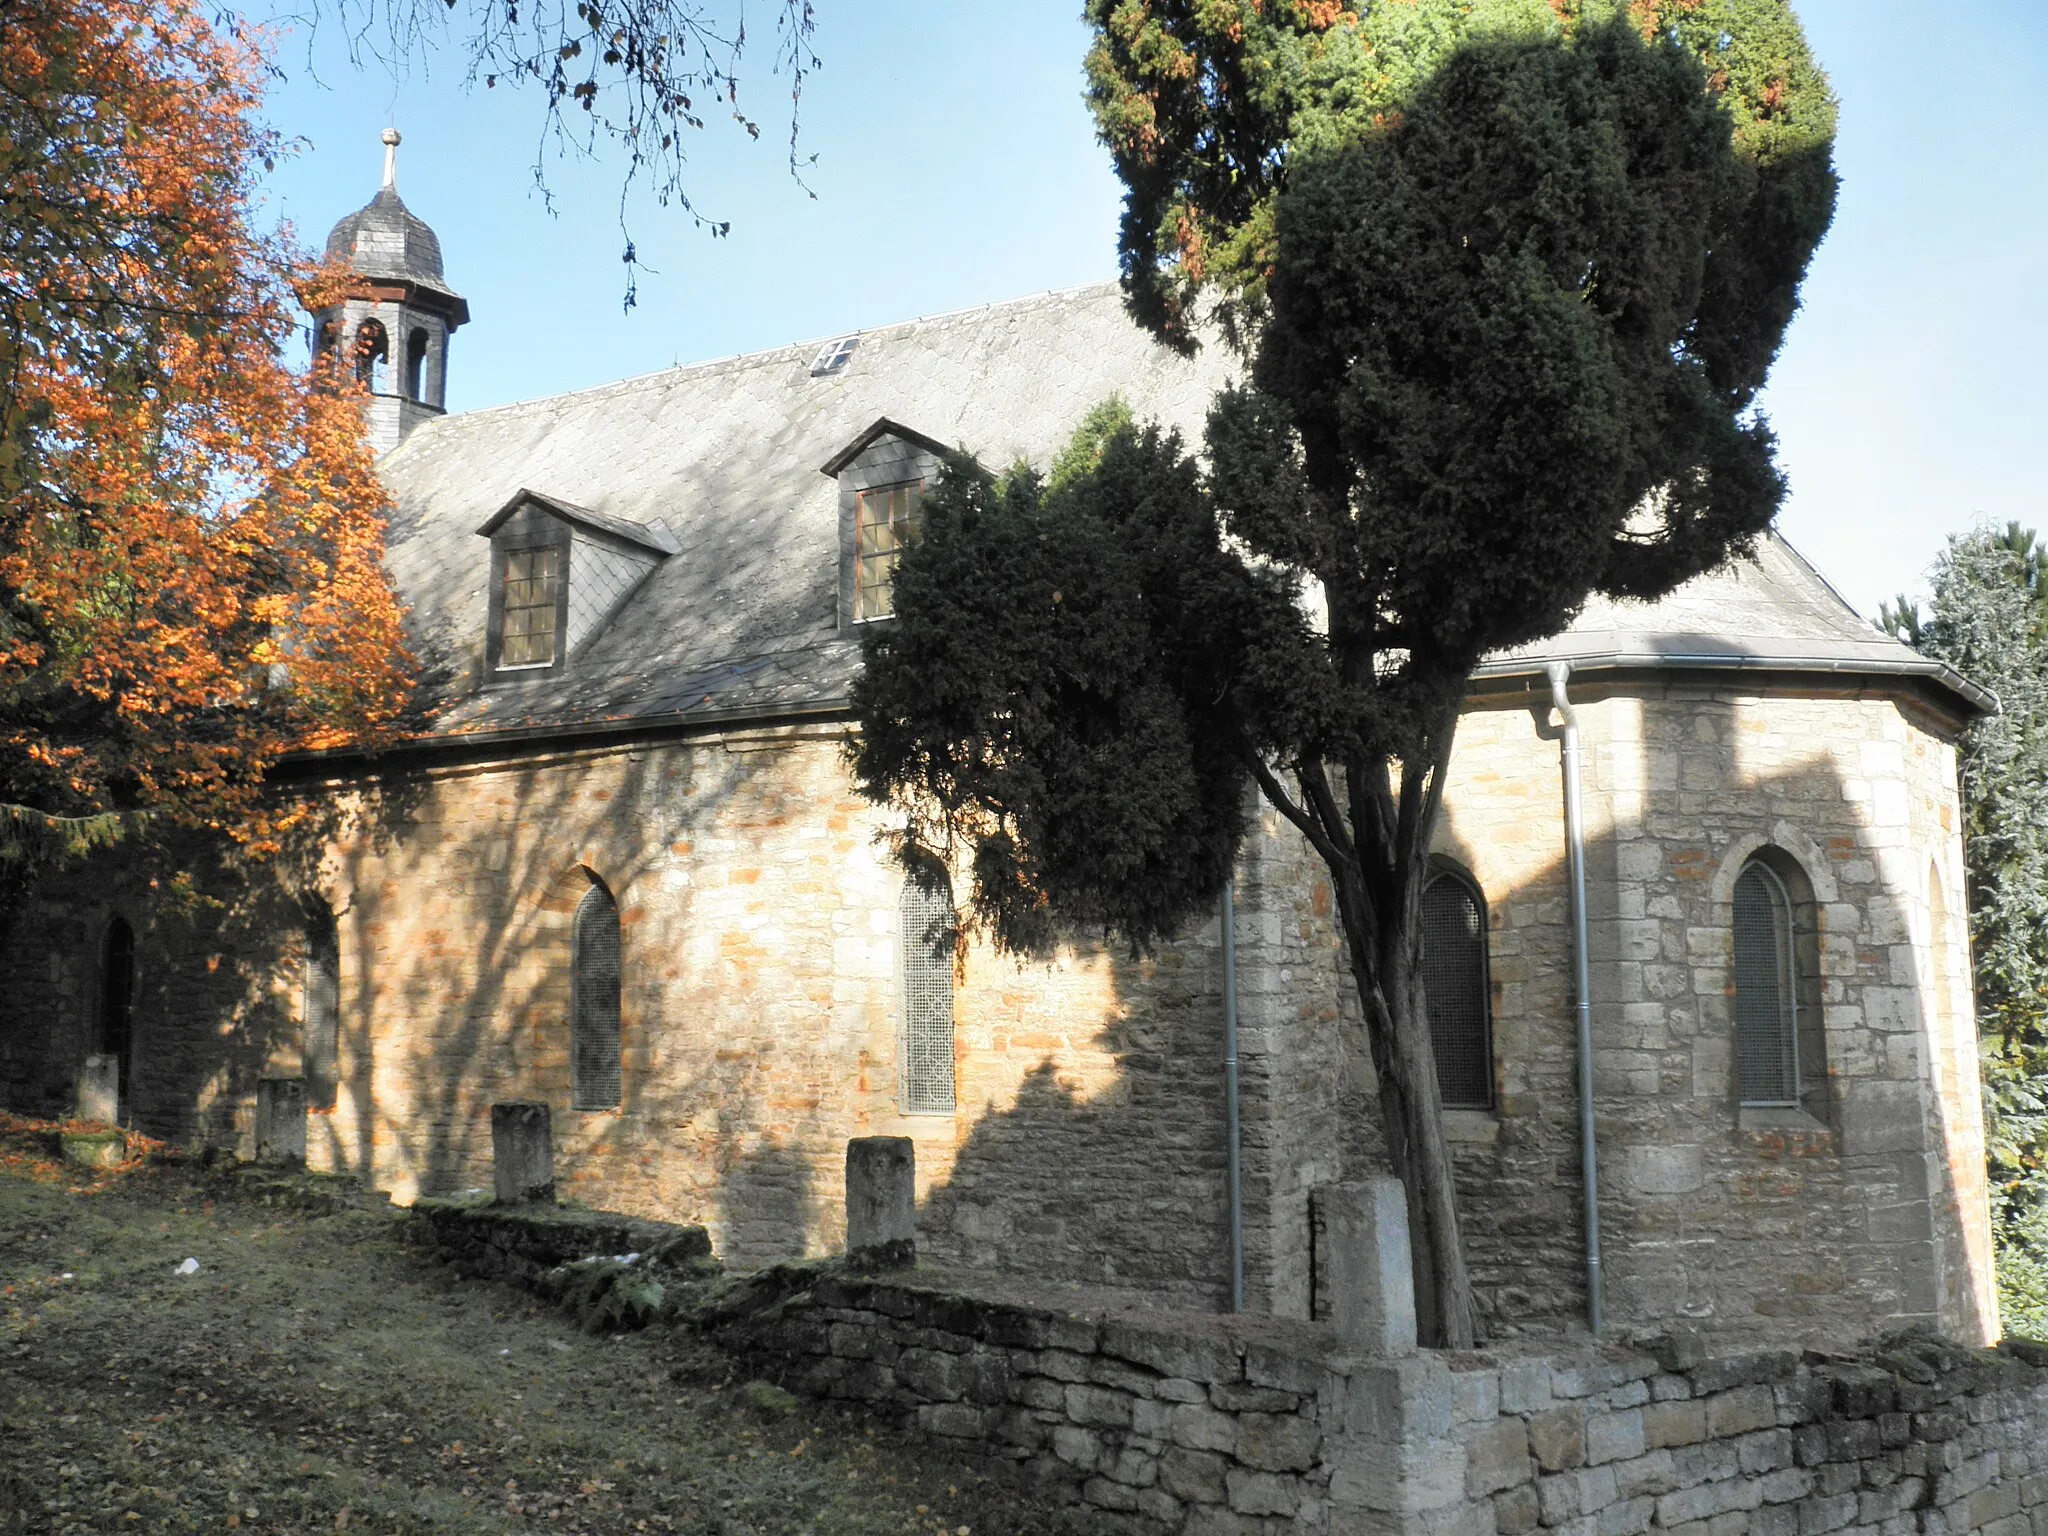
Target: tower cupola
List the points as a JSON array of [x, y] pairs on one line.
[[394, 317]]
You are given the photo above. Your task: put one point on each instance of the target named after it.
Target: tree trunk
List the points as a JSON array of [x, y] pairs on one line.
[[1428, 1178], [1377, 854], [1390, 991]]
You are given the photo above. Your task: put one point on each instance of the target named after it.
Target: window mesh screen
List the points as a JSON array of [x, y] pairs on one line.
[[1766, 1034], [1454, 972], [927, 999], [594, 1001], [323, 1011]]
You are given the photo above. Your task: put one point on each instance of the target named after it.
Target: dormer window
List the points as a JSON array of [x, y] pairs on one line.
[[886, 521], [882, 476], [532, 558], [533, 585], [559, 574]]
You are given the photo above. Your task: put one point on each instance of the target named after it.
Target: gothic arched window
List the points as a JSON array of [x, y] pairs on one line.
[[1454, 976], [927, 1036], [594, 1001], [1766, 991]]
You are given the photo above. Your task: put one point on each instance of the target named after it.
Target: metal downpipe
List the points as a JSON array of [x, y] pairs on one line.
[[1230, 1098], [1575, 839]]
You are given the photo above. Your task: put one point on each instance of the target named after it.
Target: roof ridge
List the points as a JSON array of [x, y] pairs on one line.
[[1830, 588], [641, 380]]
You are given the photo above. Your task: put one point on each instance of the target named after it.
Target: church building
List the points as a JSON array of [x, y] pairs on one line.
[[622, 868]]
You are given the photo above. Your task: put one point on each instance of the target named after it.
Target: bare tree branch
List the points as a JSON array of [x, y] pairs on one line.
[[644, 74]]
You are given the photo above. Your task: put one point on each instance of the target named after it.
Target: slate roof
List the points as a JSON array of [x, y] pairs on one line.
[[1773, 613], [742, 620], [384, 238]]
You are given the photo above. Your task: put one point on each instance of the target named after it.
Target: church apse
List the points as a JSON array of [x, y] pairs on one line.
[[1850, 1203]]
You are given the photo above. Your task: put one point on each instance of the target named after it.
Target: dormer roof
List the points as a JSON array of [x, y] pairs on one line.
[[881, 427], [651, 536]]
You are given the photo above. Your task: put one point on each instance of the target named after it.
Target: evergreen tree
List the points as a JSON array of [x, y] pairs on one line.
[[1989, 618], [1208, 107], [1512, 327]]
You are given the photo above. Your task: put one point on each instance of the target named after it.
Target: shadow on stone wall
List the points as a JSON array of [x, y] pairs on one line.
[[1760, 1228], [216, 1000], [510, 1035], [1837, 1218], [1093, 1193]]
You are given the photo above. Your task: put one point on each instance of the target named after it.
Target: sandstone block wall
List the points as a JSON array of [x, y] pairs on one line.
[[760, 949], [760, 1014], [216, 1005], [1911, 1437], [1194, 1423], [521, 1243], [1861, 1211]]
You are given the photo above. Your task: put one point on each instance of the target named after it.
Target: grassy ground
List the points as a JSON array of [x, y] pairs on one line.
[[317, 1374]]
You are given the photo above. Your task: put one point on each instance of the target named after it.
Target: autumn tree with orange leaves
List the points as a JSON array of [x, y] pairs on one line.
[[191, 532]]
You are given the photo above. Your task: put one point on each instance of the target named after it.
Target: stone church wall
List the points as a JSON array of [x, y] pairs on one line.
[[1757, 1223], [760, 957], [760, 949]]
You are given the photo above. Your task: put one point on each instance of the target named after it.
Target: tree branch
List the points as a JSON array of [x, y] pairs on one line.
[[1276, 793]]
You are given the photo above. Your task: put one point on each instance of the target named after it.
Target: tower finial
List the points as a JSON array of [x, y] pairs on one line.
[[390, 138]]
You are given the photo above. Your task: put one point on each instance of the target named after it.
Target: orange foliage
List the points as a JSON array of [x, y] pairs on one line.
[[1322, 15], [191, 532]]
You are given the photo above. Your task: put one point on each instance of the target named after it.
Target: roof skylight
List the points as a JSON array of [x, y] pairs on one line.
[[834, 356]]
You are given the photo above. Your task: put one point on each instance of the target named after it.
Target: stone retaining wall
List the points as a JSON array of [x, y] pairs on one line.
[[522, 1242], [1164, 1421], [1912, 1436], [1209, 1426]]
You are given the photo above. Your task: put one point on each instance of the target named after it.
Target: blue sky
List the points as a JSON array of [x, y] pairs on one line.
[[956, 166]]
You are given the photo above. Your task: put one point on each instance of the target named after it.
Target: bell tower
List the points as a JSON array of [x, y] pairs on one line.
[[393, 319]]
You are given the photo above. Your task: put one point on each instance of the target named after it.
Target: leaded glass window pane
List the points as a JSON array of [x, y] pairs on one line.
[[532, 586], [885, 522], [927, 1046], [1766, 1020], [594, 1001], [1454, 975]]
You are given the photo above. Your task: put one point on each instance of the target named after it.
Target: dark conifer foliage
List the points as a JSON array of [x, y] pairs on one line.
[[1508, 335], [1064, 685], [1206, 106]]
